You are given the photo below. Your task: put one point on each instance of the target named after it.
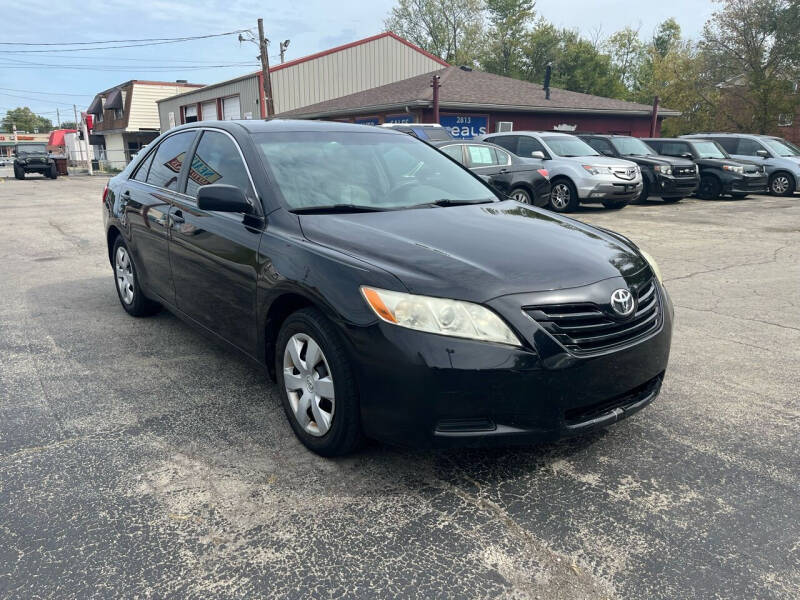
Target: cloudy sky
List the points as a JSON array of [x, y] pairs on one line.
[[49, 80]]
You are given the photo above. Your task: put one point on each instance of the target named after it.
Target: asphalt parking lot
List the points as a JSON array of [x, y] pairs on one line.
[[137, 458]]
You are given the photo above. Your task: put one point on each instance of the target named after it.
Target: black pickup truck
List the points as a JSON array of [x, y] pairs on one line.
[[667, 177], [33, 158]]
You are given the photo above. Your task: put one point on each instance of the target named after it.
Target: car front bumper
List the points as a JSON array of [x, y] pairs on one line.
[[746, 184], [669, 186], [616, 190], [426, 390]]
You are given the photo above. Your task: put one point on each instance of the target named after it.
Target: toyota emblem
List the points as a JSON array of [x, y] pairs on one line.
[[622, 302]]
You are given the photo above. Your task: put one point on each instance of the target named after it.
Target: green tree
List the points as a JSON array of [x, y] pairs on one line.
[[754, 55], [68, 125], [26, 120], [509, 21], [450, 29], [628, 56]]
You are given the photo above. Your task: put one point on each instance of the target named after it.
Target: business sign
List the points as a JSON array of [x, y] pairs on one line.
[[465, 127], [367, 121], [399, 119]]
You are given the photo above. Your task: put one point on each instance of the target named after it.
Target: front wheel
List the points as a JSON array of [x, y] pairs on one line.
[[19, 173], [317, 385], [563, 196], [781, 184], [53, 174], [645, 193], [710, 188], [521, 195]]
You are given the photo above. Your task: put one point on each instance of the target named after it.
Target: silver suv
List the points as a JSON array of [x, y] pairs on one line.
[[578, 173], [782, 160]]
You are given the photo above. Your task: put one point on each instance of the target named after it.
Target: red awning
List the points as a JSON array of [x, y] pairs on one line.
[[57, 136]]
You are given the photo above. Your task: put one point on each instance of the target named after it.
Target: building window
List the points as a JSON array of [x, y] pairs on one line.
[[190, 113], [118, 113], [785, 120], [208, 111], [503, 126]]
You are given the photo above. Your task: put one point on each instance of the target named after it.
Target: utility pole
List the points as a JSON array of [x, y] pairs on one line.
[[77, 125], [435, 85], [262, 45], [58, 118], [85, 143]]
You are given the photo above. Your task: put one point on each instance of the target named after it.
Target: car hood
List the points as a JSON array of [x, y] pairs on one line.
[[477, 252], [653, 160]]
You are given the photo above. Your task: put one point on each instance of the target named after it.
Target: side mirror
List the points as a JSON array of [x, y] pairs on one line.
[[762, 153], [538, 154], [687, 155], [224, 198]]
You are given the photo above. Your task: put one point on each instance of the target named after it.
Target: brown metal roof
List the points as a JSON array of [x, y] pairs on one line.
[[471, 90]]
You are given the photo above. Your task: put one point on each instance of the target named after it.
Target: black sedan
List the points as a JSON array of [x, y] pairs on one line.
[[719, 173], [523, 180], [389, 291]]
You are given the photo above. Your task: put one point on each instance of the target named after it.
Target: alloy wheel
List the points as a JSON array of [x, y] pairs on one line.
[[124, 273], [309, 384], [560, 196], [520, 196], [780, 185]]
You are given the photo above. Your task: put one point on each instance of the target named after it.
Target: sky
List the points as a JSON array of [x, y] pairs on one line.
[[50, 81]]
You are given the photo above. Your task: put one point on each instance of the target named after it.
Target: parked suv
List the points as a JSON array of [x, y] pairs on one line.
[[33, 158], [781, 160], [719, 173], [667, 177], [578, 173]]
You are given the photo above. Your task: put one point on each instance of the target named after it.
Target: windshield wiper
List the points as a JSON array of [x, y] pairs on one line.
[[336, 208], [451, 202]]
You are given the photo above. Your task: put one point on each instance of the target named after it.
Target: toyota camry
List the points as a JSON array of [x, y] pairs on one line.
[[389, 291]]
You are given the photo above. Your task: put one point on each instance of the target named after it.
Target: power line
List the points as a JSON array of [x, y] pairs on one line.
[[118, 41], [49, 93], [167, 41]]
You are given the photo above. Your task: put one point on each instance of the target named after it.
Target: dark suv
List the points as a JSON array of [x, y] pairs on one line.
[[33, 158], [719, 173], [667, 177]]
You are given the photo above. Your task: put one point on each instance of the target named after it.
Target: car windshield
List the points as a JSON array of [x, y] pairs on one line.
[[709, 150], [357, 170], [568, 146], [631, 146], [779, 147], [31, 149]]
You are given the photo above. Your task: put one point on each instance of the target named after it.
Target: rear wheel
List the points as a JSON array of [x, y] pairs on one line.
[[317, 385], [781, 184], [615, 204], [563, 196], [53, 173], [521, 195], [129, 291], [19, 173], [710, 188]]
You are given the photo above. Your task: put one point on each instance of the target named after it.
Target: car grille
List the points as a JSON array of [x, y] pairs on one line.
[[586, 328], [684, 171], [624, 172]]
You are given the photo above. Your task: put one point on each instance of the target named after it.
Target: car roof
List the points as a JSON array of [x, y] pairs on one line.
[[440, 143], [287, 125], [524, 132]]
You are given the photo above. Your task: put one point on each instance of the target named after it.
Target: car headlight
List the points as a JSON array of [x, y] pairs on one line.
[[653, 264], [664, 169], [439, 315], [598, 169], [733, 168]]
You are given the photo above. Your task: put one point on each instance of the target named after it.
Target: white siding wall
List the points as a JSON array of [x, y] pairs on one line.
[[144, 110], [245, 87], [355, 69]]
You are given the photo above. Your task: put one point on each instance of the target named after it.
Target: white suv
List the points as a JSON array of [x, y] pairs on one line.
[[578, 173]]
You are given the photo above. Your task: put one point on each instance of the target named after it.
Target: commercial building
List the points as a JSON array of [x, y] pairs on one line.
[[473, 102], [126, 118], [362, 65], [9, 139]]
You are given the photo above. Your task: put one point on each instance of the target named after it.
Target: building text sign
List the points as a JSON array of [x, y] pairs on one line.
[[465, 127]]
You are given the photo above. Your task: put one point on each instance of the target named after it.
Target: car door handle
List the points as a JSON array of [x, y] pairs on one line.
[[126, 194], [177, 217], [503, 171]]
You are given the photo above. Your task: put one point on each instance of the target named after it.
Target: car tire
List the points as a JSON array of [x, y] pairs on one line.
[[615, 204], [126, 281], [563, 196], [672, 200], [53, 174], [326, 425], [710, 188], [521, 195], [19, 173], [645, 193], [781, 184]]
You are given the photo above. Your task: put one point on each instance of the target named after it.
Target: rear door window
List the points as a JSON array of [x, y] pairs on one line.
[[141, 171], [748, 147], [730, 144], [509, 142], [481, 156], [168, 160], [217, 160], [528, 145]]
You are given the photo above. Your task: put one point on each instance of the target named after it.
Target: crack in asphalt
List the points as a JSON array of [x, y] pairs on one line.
[[728, 267]]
